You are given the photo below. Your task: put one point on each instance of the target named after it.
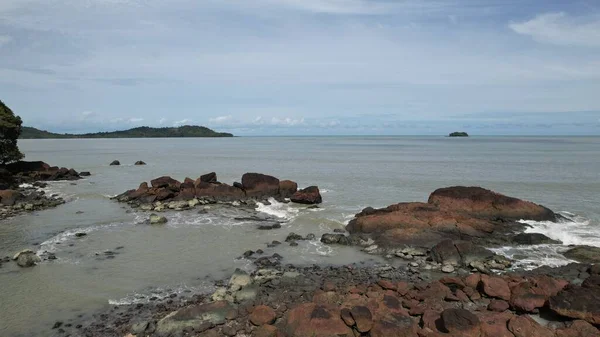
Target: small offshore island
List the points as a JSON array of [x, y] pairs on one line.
[[186, 131], [458, 134]]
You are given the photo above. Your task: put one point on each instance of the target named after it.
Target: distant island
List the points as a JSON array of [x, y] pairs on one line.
[[190, 131], [458, 134]]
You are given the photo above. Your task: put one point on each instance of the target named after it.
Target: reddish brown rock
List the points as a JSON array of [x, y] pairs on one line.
[[266, 331], [533, 293], [486, 204], [495, 287], [578, 303], [347, 317], [287, 188], [363, 318], [166, 182], [259, 185], [498, 306], [9, 197], [525, 326], [578, 329], [461, 322], [209, 178], [262, 315], [312, 320], [495, 324], [395, 326], [219, 191], [308, 196], [387, 285]]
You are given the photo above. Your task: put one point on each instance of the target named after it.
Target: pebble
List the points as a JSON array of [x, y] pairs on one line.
[[448, 269]]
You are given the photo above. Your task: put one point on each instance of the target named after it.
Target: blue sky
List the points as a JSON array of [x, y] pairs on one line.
[[304, 67]]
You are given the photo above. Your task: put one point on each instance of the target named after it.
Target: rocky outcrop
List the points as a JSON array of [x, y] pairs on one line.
[[579, 302], [139, 163], [31, 171], [584, 254], [534, 239], [464, 213], [115, 163], [308, 196], [26, 258], [166, 192]]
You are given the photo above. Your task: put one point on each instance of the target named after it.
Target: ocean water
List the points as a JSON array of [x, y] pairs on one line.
[[562, 173]]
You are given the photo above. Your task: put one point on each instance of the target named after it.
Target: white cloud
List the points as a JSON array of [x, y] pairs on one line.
[[162, 121], [220, 119], [135, 120], [287, 121], [561, 29], [5, 39], [182, 122]]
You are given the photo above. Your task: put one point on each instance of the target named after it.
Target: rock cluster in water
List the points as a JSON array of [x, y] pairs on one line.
[[20, 185], [167, 193]]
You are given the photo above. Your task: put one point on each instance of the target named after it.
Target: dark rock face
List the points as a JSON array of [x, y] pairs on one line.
[[139, 163], [585, 254], [287, 188], [209, 178], [308, 196], [462, 213], [578, 303], [166, 182], [115, 163], [260, 185], [339, 239], [461, 321], [533, 239]]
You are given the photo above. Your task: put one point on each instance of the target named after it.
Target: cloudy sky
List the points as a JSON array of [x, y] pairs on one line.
[[303, 67]]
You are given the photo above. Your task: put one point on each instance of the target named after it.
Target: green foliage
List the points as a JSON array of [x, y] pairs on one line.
[[459, 134], [10, 130], [190, 131]]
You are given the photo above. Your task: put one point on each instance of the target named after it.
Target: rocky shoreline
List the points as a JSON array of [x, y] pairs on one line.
[[440, 281], [22, 184]]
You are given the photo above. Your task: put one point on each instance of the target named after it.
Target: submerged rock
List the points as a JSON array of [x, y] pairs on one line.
[[157, 219], [584, 254], [534, 239], [139, 163], [115, 163], [197, 317]]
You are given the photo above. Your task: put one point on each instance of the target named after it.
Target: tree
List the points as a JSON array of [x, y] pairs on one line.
[[10, 130]]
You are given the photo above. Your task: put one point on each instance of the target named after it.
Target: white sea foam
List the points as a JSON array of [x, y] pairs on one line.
[[531, 257], [278, 209], [573, 230], [161, 293], [51, 245]]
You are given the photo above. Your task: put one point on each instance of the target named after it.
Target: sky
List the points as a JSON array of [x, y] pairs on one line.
[[304, 67]]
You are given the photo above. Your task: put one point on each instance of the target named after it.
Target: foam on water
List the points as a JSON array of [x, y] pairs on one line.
[[531, 257], [572, 230], [159, 294], [278, 209]]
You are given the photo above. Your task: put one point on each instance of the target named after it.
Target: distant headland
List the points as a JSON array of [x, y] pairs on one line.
[[458, 134], [191, 131]]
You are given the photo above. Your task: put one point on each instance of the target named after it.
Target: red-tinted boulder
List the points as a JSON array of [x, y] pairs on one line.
[[9, 197], [209, 178], [312, 320], [307, 196], [525, 326], [221, 192], [482, 203], [495, 324], [166, 182], [395, 325], [495, 287], [260, 185], [578, 303], [498, 306], [461, 322], [363, 318], [533, 293], [163, 194], [262, 315], [287, 188], [578, 329]]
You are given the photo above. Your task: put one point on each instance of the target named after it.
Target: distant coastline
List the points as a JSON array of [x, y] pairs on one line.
[[189, 131]]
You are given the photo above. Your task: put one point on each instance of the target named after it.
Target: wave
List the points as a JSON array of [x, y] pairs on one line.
[[51, 245], [159, 294], [531, 257], [278, 209], [572, 230]]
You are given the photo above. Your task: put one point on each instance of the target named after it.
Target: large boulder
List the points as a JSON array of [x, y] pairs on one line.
[[221, 192], [461, 322], [534, 239], [578, 303], [259, 185], [115, 163], [525, 326], [486, 204], [209, 178], [197, 317], [308, 196], [166, 182], [287, 188], [27, 166]]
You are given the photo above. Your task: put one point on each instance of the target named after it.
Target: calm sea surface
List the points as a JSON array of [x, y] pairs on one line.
[[562, 173]]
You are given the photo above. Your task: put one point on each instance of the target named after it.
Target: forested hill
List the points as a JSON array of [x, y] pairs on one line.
[[141, 132]]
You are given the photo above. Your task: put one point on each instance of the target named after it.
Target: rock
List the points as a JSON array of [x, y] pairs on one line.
[[578, 329], [448, 268], [498, 306], [85, 174], [335, 239], [115, 163], [262, 315], [495, 287], [139, 163], [313, 320], [395, 325], [533, 239], [363, 318], [578, 303], [166, 182], [525, 326], [482, 203], [307, 196], [198, 317], [293, 237], [157, 219], [461, 322], [287, 188], [80, 235], [9, 197], [446, 253], [247, 294], [26, 258], [259, 185], [209, 178], [584, 254], [269, 227], [266, 331], [240, 278]]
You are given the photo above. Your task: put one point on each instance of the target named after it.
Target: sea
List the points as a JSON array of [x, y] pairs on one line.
[[124, 261]]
